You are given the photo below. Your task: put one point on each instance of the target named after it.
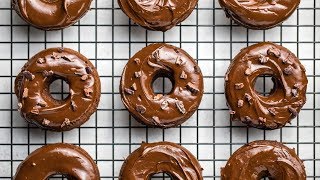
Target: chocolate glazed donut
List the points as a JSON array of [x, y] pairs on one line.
[[157, 110], [51, 14], [261, 159], [37, 105], [64, 159], [161, 157], [286, 98], [259, 14], [158, 15]]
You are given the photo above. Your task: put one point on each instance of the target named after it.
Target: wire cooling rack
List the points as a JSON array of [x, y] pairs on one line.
[[108, 38]]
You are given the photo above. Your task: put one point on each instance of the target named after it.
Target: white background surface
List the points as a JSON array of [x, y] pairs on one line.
[[106, 37]]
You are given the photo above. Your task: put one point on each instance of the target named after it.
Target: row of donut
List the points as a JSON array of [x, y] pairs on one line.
[[157, 15], [37, 106], [253, 161]]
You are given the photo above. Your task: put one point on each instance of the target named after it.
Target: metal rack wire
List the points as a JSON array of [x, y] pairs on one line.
[[108, 38]]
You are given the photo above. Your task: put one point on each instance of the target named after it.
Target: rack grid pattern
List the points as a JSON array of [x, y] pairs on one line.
[[107, 37]]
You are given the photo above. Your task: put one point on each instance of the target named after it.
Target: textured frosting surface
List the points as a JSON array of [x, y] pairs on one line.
[[51, 14], [161, 157], [286, 98], [159, 15], [63, 159], [161, 60], [259, 14], [37, 105], [260, 159]]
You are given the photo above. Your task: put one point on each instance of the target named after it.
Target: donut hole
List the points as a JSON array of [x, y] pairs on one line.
[[163, 83], [160, 176], [265, 85], [59, 89]]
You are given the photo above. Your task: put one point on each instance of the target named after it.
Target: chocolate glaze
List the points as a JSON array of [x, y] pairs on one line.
[[51, 14], [260, 159], [259, 14], [156, 110], [158, 15], [161, 157], [287, 97], [37, 105], [64, 159]]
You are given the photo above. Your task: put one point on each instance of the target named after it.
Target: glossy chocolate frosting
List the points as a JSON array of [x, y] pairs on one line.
[[286, 98], [259, 14], [161, 157], [64, 159], [51, 14], [37, 105], [158, 15], [157, 110], [261, 159]]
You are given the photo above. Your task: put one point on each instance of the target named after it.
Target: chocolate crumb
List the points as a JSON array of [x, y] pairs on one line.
[[74, 107], [180, 106], [41, 61], [262, 120], [274, 52], [263, 59], [67, 58], [248, 98], [46, 73], [157, 97], [129, 91], [134, 86], [84, 77], [183, 75], [248, 72], [45, 122], [141, 109], [156, 55], [294, 92], [240, 103], [137, 74], [156, 120], [66, 122], [179, 61], [137, 60], [25, 93], [88, 91], [272, 111], [288, 70], [28, 75], [192, 88], [89, 70], [239, 86], [164, 105]]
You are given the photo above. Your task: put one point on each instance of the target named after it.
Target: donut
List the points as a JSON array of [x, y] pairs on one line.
[[161, 157], [285, 99], [51, 14], [157, 15], [64, 159], [262, 159], [35, 102], [157, 110], [257, 14]]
